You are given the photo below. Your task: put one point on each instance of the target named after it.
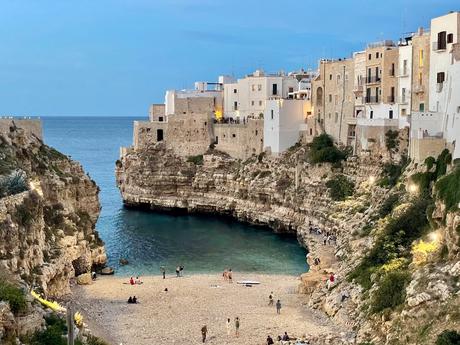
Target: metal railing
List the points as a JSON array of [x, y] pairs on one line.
[[370, 99], [439, 46], [372, 79]]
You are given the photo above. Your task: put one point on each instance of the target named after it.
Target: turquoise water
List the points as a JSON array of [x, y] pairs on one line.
[[203, 244]]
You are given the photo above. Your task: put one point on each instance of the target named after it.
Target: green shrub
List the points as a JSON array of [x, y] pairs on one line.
[[197, 160], [340, 187], [56, 328], [14, 296], [13, 184], [448, 189], [444, 159], [391, 291], [391, 139], [448, 337], [429, 162], [391, 172], [388, 205], [322, 149]]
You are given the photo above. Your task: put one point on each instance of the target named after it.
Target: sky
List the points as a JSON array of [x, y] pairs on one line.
[[115, 58]]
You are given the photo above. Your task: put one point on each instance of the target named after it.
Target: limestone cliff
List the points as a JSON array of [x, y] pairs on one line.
[[288, 194]]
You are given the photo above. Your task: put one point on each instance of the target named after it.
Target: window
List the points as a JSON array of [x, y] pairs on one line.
[[442, 40], [450, 38], [274, 89], [235, 105], [260, 103], [371, 114], [235, 91], [271, 111], [404, 67], [291, 89], [390, 114], [160, 118], [253, 87], [440, 77], [330, 76], [403, 112], [377, 55], [259, 87], [216, 141], [311, 131], [392, 70], [257, 132], [252, 103], [421, 107], [420, 58], [403, 95], [370, 56], [330, 98], [234, 135], [336, 117]]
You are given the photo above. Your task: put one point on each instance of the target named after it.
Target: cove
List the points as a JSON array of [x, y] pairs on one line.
[[202, 243]]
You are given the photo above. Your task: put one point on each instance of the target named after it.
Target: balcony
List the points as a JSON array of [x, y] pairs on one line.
[[390, 99], [358, 89], [419, 89], [370, 99], [439, 46], [372, 79], [439, 87]]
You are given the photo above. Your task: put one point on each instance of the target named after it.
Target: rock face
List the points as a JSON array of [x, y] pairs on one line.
[[47, 232], [288, 194]]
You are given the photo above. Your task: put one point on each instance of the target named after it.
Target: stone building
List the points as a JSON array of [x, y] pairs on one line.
[[420, 70], [30, 125]]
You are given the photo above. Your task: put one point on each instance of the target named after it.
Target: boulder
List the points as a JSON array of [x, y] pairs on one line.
[[84, 279], [418, 299]]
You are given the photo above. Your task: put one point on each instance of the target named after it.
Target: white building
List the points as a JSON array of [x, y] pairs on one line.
[[202, 89], [283, 119], [247, 97], [439, 128], [404, 95]]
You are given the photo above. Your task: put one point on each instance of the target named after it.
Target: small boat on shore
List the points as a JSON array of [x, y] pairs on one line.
[[248, 282], [107, 271]]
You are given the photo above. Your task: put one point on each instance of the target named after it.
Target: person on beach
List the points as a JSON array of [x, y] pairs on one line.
[[131, 281], [181, 271], [285, 337], [270, 341], [237, 326], [230, 275], [270, 299], [204, 331], [134, 300], [330, 282], [138, 280], [225, 275], [278, 307], [228, 326], [130, 300], [163, 272], [177, 271]]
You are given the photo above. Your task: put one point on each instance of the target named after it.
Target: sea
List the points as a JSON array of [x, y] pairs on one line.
[[148, 240]]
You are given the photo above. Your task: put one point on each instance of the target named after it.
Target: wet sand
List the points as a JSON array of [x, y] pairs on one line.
[[176, 316]]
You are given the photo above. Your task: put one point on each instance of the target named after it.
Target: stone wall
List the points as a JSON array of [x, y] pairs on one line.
[[157, 112], [189, 134], [240, 140], [420, 149], [30, 126], [194, 105], [147, 133]]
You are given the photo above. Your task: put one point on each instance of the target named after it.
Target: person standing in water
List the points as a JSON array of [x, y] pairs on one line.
[[163, 272], [228, 325]]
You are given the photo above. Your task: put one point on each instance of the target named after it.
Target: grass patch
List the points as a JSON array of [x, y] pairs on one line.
[[391, 291], [197, 160], [391, 172], [448, 189]]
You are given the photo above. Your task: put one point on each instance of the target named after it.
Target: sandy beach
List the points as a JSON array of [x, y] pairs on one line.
[[176, 316]]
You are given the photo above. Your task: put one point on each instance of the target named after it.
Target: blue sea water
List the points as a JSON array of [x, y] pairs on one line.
[[203, 244]]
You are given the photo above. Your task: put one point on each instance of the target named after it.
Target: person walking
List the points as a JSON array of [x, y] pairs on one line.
[[163, 272], [237, 326], [204, 332], [270, 341], [278, 307], [228, 325]]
